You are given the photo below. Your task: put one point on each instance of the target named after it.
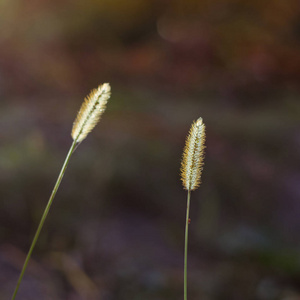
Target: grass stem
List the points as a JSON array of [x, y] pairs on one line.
[[46, 211], [186, 243]]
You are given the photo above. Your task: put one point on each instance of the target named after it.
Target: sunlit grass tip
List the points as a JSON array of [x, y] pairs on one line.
[[90, 112], [193, 156]]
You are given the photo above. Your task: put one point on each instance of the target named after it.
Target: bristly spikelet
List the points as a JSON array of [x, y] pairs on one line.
[[193, 156], [90, 112]]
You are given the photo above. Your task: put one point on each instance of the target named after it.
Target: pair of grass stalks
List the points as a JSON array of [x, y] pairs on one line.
[[88, 116]]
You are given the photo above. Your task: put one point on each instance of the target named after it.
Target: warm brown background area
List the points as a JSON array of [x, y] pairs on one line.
[[116, 228]]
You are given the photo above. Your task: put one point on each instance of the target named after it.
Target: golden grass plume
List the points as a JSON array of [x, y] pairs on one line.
[[90, 112], [193, 156]]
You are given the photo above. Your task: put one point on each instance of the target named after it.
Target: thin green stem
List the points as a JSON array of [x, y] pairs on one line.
[[186, 243], [46, 211]]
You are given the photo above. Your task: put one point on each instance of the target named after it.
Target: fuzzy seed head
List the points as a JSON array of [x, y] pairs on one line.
[[90, 112], [193, 156]]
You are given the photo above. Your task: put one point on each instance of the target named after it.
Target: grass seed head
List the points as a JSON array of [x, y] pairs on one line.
[[90, 112], [193, 156]]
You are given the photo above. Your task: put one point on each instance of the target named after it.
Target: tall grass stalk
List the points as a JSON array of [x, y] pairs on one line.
[[88, 116], [191, 169]]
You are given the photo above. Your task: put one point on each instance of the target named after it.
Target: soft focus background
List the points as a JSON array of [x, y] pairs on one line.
[[116, 228]]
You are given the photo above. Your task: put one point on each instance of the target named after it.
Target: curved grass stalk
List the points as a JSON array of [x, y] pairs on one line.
[[87, 118], [44, 216]]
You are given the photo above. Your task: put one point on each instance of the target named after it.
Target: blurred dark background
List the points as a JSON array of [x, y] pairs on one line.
[[116, 228]]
